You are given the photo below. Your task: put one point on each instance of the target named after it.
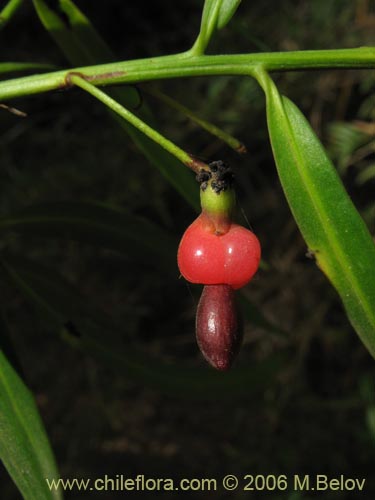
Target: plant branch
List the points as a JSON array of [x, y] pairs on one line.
[[185, 65], [180, 154]]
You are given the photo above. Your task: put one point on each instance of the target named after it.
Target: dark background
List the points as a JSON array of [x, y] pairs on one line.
[[315, 413]]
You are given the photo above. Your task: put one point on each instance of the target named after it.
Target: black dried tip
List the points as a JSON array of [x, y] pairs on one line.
[[203, 177], [218, 329], [220, 174]]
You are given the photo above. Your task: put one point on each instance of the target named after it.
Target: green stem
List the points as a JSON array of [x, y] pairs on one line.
[[179, 153], [186, 65]]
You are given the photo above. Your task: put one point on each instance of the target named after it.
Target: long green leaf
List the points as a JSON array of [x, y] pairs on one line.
[[61, 304], [9, 11], [88, 36], [82, 45], [100, 225], [215, 15], [227, 11], [327, 218], [210, 14], [24, 446]]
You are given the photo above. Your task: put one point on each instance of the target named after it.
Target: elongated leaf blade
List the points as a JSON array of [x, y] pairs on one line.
[[88, 36], [60, 303], [227, 11], [82, 45], [215, 15], [64, 37], [327, 218], [8, 11], [208, 12], [24, 446]]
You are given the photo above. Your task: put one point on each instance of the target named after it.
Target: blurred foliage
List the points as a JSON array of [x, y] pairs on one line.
[[317, 416]]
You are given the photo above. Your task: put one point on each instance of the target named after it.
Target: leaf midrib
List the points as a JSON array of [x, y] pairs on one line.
[[331, 239], [20, 419]]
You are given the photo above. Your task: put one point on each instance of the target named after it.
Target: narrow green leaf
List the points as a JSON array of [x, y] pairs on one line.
[[88, 36], [82, 45], [9, 11], [24, 446], [209, 16], [60, 303], [215, 15], [227, 11], [327, 218], [79, 41], [67, 40], [99, 225]]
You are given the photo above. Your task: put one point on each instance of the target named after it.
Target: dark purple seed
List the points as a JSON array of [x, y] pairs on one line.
[[218, 329]]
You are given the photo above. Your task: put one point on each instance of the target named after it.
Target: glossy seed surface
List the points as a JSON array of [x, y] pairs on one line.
[[218, 329]]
